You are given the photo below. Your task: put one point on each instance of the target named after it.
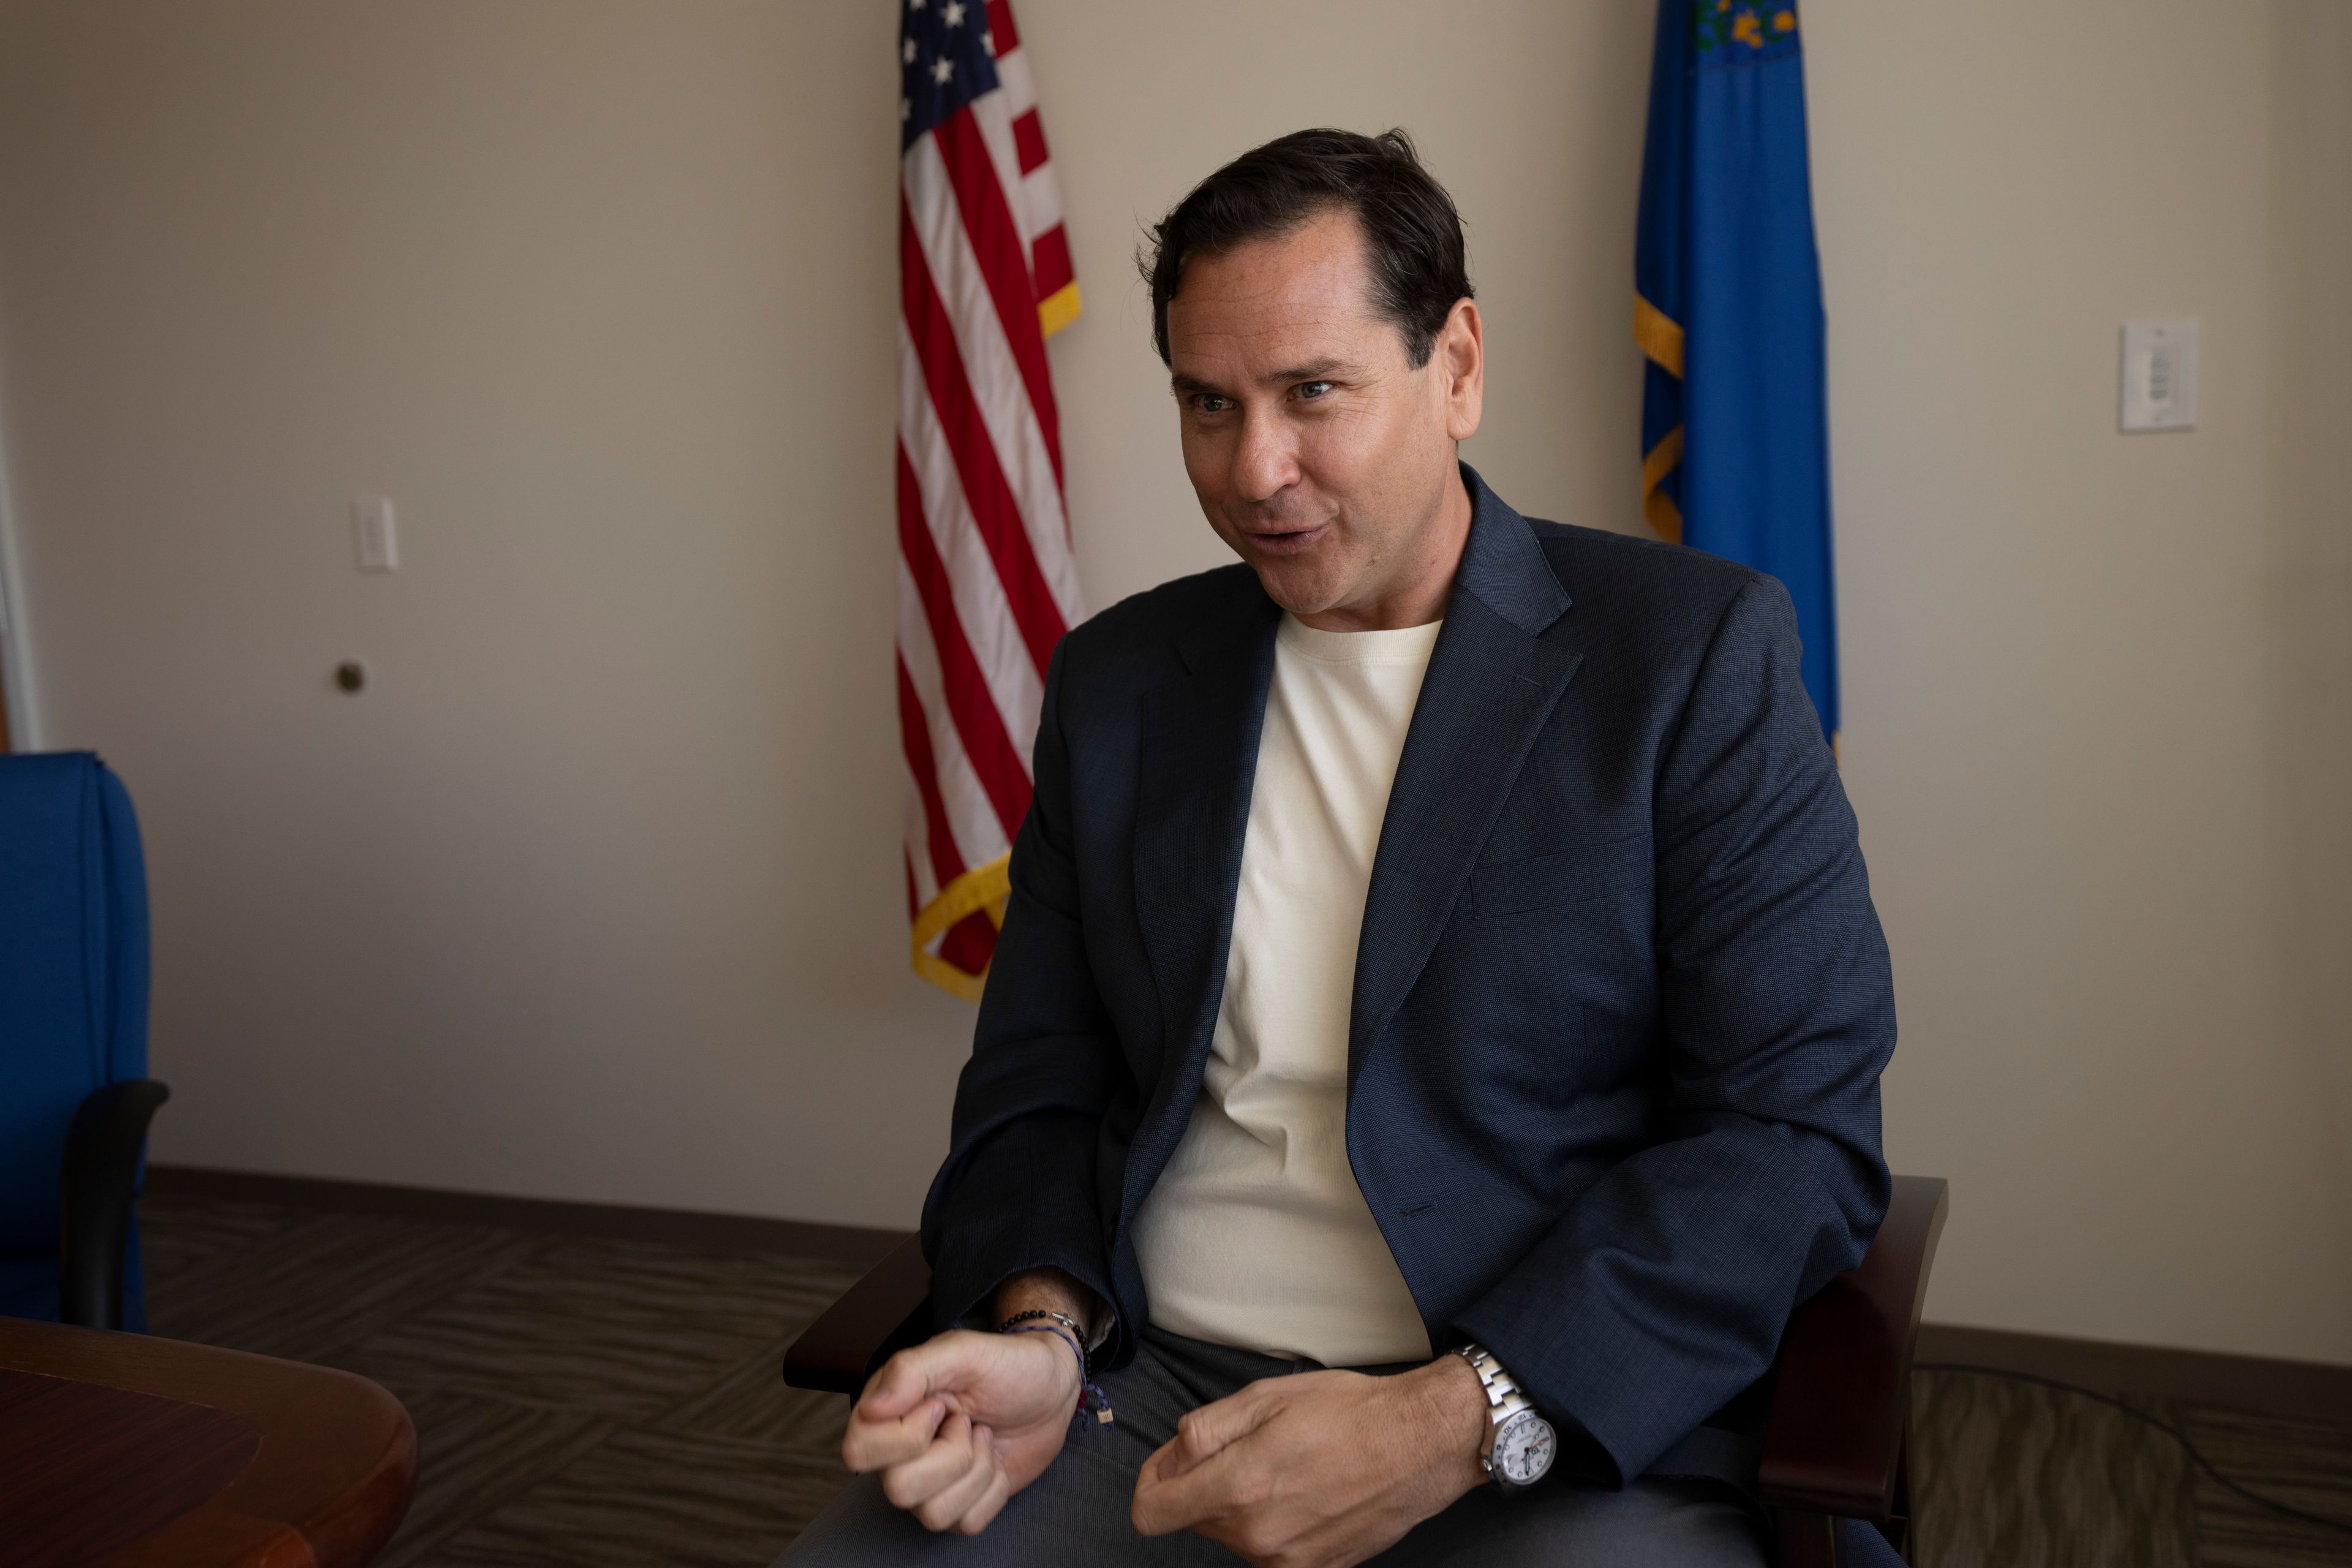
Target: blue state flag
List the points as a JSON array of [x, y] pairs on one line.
[[1727, 309]]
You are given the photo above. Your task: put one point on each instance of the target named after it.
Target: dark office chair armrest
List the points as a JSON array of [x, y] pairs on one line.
[[1841, 1411], [100, 1180], [883, 1314]]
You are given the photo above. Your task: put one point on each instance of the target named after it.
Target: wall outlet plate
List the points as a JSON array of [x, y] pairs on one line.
[[374, 541], [2159, 375]]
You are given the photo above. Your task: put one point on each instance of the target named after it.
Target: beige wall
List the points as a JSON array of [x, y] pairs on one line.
[[595, 893], [2307, 592], [2064, 689]]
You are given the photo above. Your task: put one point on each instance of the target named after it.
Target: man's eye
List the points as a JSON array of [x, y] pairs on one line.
[[1313, 389], [1210, 402]]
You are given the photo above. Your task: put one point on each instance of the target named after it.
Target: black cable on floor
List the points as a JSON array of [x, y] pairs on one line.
[[2166, 1428]]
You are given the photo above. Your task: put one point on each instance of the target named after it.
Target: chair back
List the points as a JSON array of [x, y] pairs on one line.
[[73, 997]]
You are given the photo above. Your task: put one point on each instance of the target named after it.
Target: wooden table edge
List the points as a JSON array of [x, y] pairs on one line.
[[335, 1469]]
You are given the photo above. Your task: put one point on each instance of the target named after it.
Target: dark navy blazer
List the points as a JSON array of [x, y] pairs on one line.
[[1621, 999]]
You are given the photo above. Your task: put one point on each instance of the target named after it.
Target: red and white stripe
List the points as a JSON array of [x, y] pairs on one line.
[[986, 581]]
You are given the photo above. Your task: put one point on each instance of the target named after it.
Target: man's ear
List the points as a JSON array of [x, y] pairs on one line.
[[1461, 354]]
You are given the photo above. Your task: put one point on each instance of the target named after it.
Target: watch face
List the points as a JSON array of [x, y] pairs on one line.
[[1524, 1448]]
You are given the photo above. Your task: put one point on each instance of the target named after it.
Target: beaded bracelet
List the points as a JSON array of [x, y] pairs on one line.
[[1090, 1393], [1046, 1314]]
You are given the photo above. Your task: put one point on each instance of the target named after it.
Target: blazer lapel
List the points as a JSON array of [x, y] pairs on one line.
[[1199, 761], [1491, 686]]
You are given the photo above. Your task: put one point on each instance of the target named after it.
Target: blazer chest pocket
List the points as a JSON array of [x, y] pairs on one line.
[[1570, 876]]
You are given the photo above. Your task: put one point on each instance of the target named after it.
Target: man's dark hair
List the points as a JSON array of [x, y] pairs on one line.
[[1413, 235]]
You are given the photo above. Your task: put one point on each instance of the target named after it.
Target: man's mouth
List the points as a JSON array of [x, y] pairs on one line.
[[1287, 541]]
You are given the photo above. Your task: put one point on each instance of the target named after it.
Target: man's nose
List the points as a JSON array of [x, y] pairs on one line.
[[1267, 461]]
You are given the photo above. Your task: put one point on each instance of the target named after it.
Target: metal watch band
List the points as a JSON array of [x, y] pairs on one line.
[[1504, 1399], [1519, 1445]]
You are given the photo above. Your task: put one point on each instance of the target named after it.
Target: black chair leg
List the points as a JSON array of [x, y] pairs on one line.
[[1897, 1529], [100, 1182], [1804, 1538]]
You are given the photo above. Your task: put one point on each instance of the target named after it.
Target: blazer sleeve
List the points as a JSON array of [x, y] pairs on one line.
[[1664, 1291], [1017, 1190]]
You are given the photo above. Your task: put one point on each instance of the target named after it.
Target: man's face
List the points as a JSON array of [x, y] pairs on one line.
[[1319, 453]]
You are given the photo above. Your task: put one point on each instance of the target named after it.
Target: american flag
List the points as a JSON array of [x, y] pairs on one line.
[[986, 582]]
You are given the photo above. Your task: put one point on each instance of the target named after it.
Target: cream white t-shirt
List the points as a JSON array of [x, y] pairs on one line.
[[1256, 1234]]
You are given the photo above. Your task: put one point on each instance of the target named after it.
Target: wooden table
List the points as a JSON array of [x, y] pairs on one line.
[[126, 1449]]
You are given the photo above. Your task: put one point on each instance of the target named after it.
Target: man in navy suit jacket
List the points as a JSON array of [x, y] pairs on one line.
[[1601, 1065]]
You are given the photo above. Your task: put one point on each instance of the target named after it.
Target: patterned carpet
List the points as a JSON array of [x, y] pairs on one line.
[[595, 1403], [578, 1401], [2023, 1475]]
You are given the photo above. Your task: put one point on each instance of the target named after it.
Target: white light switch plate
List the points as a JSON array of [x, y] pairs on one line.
[[373, 537], [2159, 386]]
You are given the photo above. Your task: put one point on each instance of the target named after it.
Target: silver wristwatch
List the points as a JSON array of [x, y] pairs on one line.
[[1520, 1444]]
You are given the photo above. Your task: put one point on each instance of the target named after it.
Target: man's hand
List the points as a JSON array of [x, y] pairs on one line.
[[1321, 1469], [962, 1421]]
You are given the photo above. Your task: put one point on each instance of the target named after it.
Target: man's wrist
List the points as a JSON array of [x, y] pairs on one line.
[[1048, 1291], [1458, 1418]]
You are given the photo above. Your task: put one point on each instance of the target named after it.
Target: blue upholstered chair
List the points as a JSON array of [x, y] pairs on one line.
[[74, 1095]]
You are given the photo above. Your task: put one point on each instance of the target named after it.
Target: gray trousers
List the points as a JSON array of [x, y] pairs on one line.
[[1077, 1510]]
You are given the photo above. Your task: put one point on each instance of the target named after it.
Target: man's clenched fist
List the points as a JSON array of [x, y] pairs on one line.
[[962, 1422]]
